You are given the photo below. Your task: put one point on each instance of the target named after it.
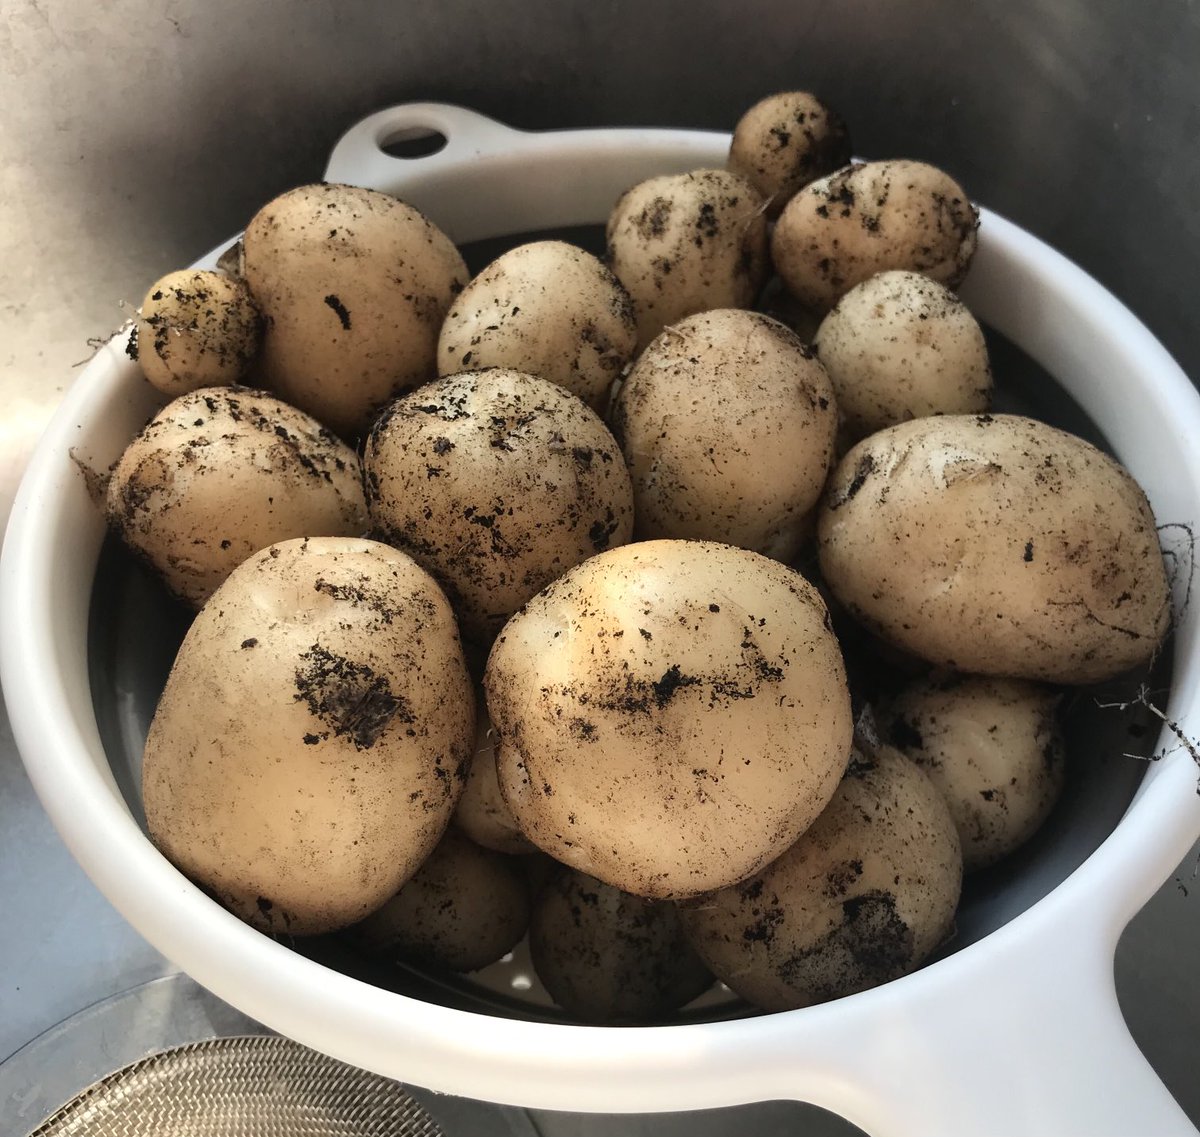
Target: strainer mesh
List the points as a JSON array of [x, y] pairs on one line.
[[259, 1086]]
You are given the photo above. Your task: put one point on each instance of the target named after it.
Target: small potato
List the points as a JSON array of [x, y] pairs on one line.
[[196, 329], [354, 286], [993, 748], [784, 142], [863, 897], [997, 545], [685, 243], [901, 346], [461, 910], [497, 482], [672, 715], [221, 473], [482, 813], [727, 423], [609, 957], [865, 219], [549, 309], [313, 736]]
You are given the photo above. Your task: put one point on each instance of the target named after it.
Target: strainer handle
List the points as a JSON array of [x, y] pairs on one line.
[[580, 167], [1024, 1041]]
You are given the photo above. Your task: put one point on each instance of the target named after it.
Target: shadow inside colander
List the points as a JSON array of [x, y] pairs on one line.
[[135, 630]]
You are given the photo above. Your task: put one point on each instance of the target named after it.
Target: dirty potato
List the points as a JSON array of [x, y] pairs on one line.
[[685, 243], [313, 736], [549, 309], [354, 286], [996, 545], [461, 910], [672, 715], [609, 957], [497, 482], [223, 472], [727, 423], [195, 329], [784, 142], [901, 346], [864, 219], [863, 897], [993, 748]]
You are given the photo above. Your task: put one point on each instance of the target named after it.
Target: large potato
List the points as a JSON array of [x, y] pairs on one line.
[[312, 739], [861, 898], [219, 474], [672, 715], [549, 309], [842, 229], [685, 243], [496, 482], [354, 286], [727, 423], [997, 545]]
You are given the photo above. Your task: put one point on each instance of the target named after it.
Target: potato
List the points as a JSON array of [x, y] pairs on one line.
[[993, 748], [685, 243], [196, 329], [549, 309], [784, 142], [901, 346], [354, 286], [497, 482], [609, 957], [863, 897], [461, 910], [865, 219], [482, 813], [313, 735], [727, 423], [672, 715], [221, 473], [997, 545]]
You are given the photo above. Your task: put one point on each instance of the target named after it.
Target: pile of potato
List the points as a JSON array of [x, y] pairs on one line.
[[499, 626]]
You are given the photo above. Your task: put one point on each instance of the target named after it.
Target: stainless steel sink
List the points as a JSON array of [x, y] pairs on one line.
[[136, 135]]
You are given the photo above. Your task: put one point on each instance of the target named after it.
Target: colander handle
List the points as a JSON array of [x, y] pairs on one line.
[[456, 186], [1017, 1041]]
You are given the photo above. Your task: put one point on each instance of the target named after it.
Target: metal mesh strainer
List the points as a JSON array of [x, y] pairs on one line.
[[259, 1086]]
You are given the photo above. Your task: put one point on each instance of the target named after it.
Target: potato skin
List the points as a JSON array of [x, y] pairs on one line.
[[997, 545], [220, 473], [727, 424], [672, 715], [863, 897], [784, 142], [685, 243], [354, 286], [900, 346], [461, 910], [610, 957], [994, 749], [864, 219], [312, 739], [497, 482], [195, 329], [549, 309]]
